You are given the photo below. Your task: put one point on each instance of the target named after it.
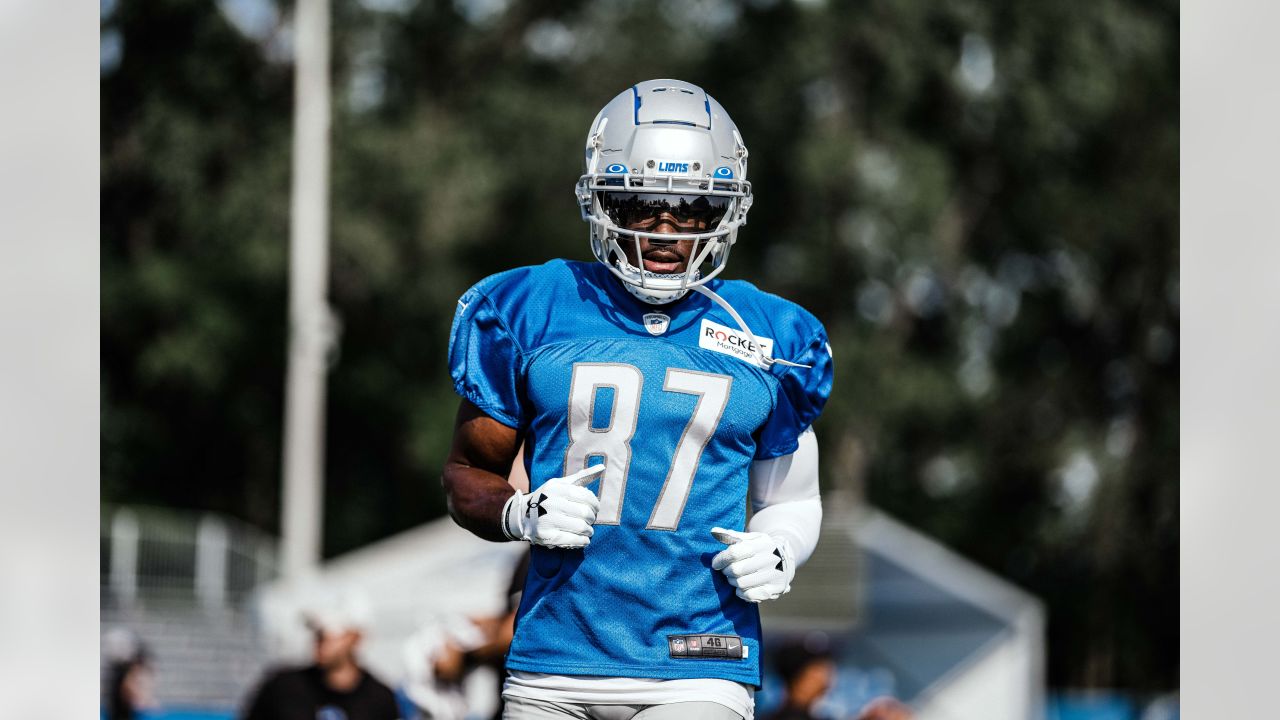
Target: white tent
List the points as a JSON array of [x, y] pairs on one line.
[[963, 642], [951, 638]]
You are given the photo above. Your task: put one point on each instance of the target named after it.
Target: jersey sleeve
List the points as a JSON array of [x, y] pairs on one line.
[[802, 394], [485, 360]]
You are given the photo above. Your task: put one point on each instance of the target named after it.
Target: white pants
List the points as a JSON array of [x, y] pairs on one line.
[[519, 708]]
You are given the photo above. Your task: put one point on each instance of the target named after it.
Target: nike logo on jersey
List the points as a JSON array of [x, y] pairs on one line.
[[731, 341]]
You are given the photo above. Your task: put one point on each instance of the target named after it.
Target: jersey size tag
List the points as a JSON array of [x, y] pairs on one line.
[[721, 647], [731, 341]]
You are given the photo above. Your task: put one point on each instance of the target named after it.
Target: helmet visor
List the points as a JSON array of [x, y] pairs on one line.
[[646, 211]]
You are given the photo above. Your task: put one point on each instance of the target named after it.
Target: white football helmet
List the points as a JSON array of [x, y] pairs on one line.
[[664, 147]]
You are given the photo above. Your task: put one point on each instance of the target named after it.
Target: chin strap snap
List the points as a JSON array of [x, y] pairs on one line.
[[764, 360]]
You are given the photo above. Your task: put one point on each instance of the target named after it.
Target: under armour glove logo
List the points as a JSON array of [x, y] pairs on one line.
[[535, 503], [758, 564], [566, 512]]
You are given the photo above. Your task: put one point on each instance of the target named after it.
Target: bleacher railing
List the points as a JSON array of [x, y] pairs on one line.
[[161, 556]]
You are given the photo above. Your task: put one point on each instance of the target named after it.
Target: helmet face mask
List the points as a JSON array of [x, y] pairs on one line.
[[663, 155]]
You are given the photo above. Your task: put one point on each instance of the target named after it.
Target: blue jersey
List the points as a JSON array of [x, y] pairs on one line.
[[674, 402]]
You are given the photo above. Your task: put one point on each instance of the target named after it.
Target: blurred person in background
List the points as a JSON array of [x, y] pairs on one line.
[[130, 676], [436, 664], [439, 658], [807, 676], [335, 686], [808, 672], [680, 393]]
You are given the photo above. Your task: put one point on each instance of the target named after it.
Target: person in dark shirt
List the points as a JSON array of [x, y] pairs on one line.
[[334, 688], [129, 675], [807, 674], [129, 683], [307, 694]]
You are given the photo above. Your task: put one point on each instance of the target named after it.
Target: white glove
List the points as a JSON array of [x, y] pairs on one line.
[[760, 565], [559, 514]]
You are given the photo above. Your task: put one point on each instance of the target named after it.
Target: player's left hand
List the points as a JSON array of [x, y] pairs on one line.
[[758, 564]]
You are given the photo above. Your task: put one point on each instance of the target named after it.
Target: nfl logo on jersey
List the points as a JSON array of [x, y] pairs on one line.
[[656, 323]]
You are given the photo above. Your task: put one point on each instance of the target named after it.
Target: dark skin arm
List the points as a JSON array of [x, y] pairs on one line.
[[475, 475]]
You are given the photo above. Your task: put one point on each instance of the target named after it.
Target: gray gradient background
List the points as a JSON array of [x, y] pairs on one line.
[[48, 359], [1230, 311]]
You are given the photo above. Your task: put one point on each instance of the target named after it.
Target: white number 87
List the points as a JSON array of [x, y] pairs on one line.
[[612, 442]]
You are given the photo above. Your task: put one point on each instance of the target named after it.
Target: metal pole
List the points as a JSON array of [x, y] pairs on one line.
[[124, 557], [310, 324], [211, 562]]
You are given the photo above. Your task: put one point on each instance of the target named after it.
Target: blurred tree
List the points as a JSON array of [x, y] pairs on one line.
[[195, 138], [978, 198]]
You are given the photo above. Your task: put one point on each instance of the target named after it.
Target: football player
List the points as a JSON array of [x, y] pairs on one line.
[[653, 398]]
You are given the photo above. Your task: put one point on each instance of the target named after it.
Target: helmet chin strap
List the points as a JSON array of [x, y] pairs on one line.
[[644, 295], [656, 297]]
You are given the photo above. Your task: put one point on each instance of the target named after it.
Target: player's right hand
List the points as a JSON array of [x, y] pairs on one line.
[[559, 514]]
